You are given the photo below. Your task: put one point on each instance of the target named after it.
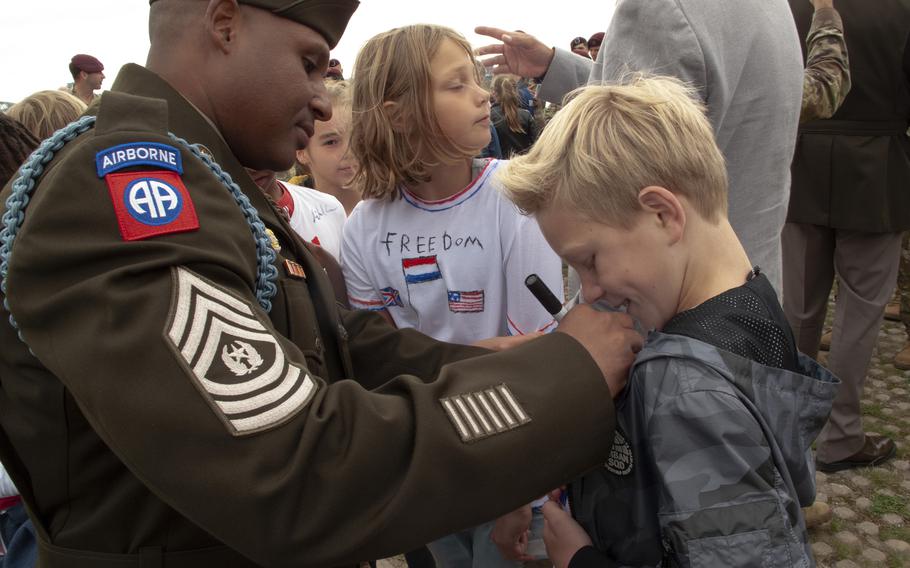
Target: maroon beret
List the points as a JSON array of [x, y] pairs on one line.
[[596, 39], [86, 63]]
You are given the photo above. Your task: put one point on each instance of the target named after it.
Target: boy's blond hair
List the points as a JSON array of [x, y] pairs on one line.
[[46, 112], [399, 144], [608, 143]]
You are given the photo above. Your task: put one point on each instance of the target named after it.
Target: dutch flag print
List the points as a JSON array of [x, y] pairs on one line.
[[420, 269]]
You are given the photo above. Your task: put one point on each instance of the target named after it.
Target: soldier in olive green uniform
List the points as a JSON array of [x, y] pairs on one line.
[[174, 369]]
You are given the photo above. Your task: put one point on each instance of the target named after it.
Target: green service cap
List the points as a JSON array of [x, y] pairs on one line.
[[328, 17]]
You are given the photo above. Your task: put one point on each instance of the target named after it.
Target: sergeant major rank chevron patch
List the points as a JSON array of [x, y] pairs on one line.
[[236, 362]]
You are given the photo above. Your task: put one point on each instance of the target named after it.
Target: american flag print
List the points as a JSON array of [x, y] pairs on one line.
[[466, 302]]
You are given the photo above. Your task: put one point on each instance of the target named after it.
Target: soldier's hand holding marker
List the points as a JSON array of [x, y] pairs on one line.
[[609, 337]]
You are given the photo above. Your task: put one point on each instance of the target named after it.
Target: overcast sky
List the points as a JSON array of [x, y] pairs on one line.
[[37, 39]]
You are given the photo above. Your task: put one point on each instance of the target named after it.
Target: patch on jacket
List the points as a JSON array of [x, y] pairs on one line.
[[122, 156], [620, 461], [151, 203], [235, 361], [478, 415]]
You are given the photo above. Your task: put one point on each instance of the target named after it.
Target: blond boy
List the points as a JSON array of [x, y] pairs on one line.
[[710, 461]]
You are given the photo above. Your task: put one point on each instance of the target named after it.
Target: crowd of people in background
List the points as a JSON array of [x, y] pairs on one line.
[[402, 184]]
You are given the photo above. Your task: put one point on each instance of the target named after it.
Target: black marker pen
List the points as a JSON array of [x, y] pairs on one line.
[[546, 297]]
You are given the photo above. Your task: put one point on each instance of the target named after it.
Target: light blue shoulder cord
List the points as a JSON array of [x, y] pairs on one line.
[[266, 273]]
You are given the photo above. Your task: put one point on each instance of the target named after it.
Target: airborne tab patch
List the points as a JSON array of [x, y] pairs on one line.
[[151, 203], [235, 361], [138, 154]]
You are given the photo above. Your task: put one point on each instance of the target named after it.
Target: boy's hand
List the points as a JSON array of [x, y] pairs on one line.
[[510, 534], [519, 53], [609, 337], [506, 342], [562, 535]]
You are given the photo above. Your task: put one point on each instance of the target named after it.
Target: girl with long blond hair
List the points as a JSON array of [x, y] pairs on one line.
[[434, 245]]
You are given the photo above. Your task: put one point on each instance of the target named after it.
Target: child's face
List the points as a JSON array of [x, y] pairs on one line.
[[462, 106], [327, 155], [632, 267]]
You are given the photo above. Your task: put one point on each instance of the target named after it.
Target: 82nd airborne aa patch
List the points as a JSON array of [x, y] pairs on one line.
[[151, 203], [235, 361]]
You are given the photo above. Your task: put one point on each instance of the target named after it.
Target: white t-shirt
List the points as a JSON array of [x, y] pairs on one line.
[[318, 217], [454, 268]]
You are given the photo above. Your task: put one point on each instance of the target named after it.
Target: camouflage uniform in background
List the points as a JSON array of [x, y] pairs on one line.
[[826, 81]]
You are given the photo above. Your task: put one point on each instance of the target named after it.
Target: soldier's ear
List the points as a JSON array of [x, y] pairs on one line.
[[222, 18]]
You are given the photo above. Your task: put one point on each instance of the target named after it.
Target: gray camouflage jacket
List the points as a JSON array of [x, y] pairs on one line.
[[710, 461]]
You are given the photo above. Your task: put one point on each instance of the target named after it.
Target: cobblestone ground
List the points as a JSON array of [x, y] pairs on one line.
[[871, 524]]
